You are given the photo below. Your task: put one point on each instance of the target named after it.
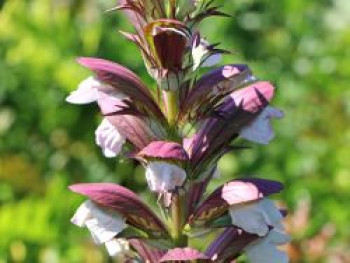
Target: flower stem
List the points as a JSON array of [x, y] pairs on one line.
[[178, 215], [172, 106]]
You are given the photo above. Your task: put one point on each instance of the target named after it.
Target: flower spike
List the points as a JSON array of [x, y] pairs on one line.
[[178, 130]]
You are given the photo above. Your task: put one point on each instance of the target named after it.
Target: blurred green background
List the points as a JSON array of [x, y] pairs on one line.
[[301, 46]]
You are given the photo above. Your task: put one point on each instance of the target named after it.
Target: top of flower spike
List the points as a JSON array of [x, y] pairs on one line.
[[141, 12]]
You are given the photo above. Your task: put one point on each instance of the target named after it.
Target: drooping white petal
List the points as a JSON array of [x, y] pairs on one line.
[[109, 139], [202, 56], [118, 247], [265, 250], [256, 217], [103, 225], [86, 93], [82, 214], [162, 177], [260, 130]]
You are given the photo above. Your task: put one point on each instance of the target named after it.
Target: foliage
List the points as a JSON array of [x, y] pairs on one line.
[[302, 46]]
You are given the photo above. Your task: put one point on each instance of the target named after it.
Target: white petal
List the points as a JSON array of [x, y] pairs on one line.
[[117, 247], [109, 139], [86, 93], [265, 251], [271, 213], [278, 237], [82, 214], [198, 54], [249, 220], [162, 176], [260, 129], [104, 226], [256, 217]]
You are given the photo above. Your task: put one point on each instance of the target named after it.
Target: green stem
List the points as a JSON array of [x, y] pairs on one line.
[[172, 107], [177, 215]]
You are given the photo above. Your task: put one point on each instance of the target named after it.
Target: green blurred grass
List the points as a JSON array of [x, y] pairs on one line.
[[301, 46]]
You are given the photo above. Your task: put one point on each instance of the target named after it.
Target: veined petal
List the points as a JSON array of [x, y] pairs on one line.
[[213, 87], [163, 177], [254, 97], [103, 225], [236, 192], [148, 253], [131, 125], [164, 150], [86, 92], [183, 254], [236, 112], [168, 41], [123, 201], [260, 129], [256, 217], [109, 139], [124, 81]]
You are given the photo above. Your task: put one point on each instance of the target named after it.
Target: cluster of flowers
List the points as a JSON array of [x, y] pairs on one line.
[[179, 131]]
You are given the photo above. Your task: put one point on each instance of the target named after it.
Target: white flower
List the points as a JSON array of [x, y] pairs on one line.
[[109, 139], [202, 56], [162, 177], [265, 250], [103, 225], [260, 129], [256, 217], [86, 93]]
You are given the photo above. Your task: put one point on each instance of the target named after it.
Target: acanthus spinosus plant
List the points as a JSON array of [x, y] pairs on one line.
[[178, 132]]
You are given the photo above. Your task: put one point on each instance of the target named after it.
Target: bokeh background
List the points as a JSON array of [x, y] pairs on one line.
[[45, 144]]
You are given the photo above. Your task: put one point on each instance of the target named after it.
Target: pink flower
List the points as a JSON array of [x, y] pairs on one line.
[[163, 177], [109, 139], [260, 129]]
